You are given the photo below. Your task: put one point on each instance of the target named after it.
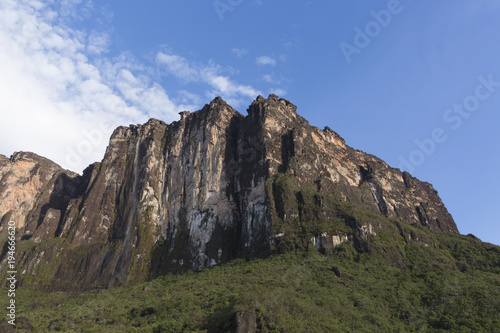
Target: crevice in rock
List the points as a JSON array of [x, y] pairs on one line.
[[287, 150], [422, 215], [378, 195], [366, 174], [407, 179]]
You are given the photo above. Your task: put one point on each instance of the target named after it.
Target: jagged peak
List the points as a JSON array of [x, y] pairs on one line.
[[154, 121], [184, 114], [273, 99], [273, 106], [218, 100], [216, 106]]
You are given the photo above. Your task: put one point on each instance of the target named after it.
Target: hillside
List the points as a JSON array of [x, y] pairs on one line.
[[452, 285], [222, 222]]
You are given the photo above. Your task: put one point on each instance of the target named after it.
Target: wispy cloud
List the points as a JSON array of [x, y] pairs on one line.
[[178, 66], [210, 74], [271, 78], [268, 78], [98, 43], [51, 92], [275, 82], [239, 52], [58, 83], [265, 60]]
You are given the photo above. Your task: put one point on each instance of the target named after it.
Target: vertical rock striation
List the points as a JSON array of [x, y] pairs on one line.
[[200, 191]]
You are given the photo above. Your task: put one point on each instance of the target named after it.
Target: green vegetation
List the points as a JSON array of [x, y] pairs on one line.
[[439, 282]]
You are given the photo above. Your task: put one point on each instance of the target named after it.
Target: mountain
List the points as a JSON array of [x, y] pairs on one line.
[[214, 186]]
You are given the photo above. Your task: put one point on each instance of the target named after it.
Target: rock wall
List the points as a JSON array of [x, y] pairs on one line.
[[200, 191]]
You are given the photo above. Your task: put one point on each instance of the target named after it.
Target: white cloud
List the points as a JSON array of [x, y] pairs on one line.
[[98, 43], [74, 9], [210, 74], [178, 66], [61, 97], [265, 60], [239, 52], [52, 96]]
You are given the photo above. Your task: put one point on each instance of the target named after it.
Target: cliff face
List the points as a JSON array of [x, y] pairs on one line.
[[210, 187], [35, 191]]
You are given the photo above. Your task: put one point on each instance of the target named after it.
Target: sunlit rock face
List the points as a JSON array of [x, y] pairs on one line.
[[34, 193], [195, 193]]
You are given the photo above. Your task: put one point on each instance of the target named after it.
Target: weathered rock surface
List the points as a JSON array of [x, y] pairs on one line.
[[34, 191], [244, 322], [212, 186]]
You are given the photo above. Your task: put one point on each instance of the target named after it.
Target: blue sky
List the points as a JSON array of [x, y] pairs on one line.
[[416, 83]]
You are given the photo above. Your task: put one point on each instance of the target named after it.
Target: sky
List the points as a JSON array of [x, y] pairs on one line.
[[414, 82]]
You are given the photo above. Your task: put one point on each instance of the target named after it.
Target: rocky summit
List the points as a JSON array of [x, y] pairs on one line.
[[211, 187]]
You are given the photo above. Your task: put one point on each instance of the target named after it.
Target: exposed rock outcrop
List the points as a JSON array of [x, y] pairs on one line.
[[244, 322], [212, 186], [34, 192]]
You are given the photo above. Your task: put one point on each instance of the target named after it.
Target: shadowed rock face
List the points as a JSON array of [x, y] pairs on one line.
[[200, 191]]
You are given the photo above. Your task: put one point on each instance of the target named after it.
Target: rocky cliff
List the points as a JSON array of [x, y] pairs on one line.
[[200, 191]]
